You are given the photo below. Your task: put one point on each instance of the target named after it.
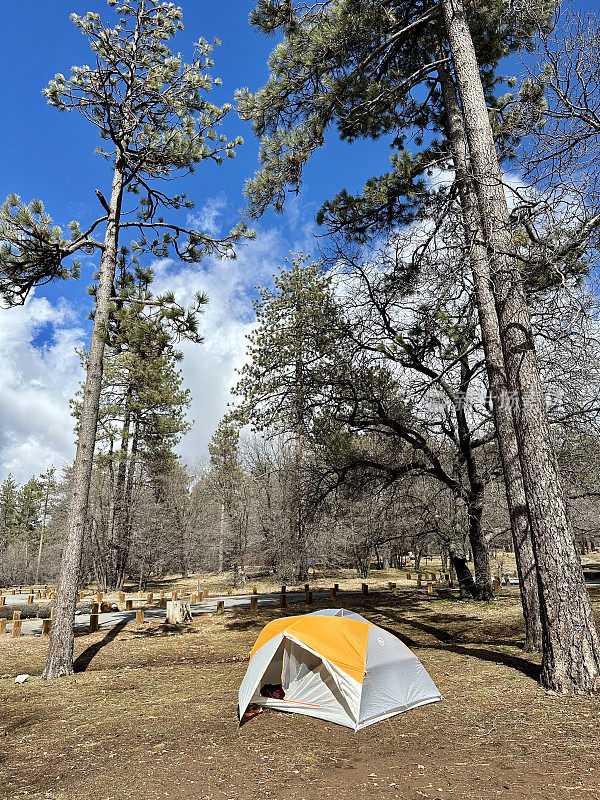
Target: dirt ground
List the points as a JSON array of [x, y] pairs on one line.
[[151, 714]]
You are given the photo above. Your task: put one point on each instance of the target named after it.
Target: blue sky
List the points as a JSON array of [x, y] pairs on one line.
[[50, 155]]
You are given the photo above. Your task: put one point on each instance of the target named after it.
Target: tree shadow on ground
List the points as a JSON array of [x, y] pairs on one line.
[[528, 668], [154, 631], [84, 659], [244, 625]]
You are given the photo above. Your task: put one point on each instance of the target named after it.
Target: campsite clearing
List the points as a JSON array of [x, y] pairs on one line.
[[151, 714]]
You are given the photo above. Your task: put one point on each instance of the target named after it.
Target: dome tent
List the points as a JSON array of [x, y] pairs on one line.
[[337, 666]]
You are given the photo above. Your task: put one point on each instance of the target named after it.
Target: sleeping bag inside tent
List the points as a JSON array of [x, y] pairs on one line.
[[337, 666]]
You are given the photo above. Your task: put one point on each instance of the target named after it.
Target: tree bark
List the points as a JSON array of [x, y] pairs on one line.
[[571, 648], [120, 509], [59, 659], [494, 358]]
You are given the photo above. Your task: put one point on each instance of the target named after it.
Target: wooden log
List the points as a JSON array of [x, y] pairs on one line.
[[139, 616], [128, 605], [16, 628], [282, 600], [2, 625], [365, 588], [308, 595], [254, 603], [178, 612], [94, 620], [46, 627], [220, 606]]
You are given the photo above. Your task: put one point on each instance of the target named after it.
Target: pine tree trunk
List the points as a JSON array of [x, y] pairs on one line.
[[120, 511], [494, 358], [59, 659], [571, 648], [221, 539]]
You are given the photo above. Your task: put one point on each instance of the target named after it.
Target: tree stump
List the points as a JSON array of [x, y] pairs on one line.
[[178, 612]]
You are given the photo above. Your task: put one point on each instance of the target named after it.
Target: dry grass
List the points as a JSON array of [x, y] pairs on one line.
[[153, 716]]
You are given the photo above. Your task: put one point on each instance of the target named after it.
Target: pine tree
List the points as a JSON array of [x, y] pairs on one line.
[[275, 389], [155, 125]]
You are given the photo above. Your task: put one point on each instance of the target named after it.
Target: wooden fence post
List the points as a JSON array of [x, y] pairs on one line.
[[220, 606], [128, 605], [230, 590], [150, 597], [307, 587], [496, 586], [429, 587], [336, 586], [408, 576], [162, 593], [254, 603], [419, 579], [46, 626], [308, 596], [29, 599], [365, 588], [255, 590], [121, 597], [332, 593], [282, 600], [283, 589], [2, 625], [193, 599], [139, 616], [94, 621], [2, 600], [16, 628]]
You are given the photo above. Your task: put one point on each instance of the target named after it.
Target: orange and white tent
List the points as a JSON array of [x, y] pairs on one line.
[[337, 666]]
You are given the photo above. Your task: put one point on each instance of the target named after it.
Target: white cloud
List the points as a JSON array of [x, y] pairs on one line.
[[209, 368], [36, 383]]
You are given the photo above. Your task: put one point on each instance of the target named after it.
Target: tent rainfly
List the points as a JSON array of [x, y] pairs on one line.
[[337, 666]]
